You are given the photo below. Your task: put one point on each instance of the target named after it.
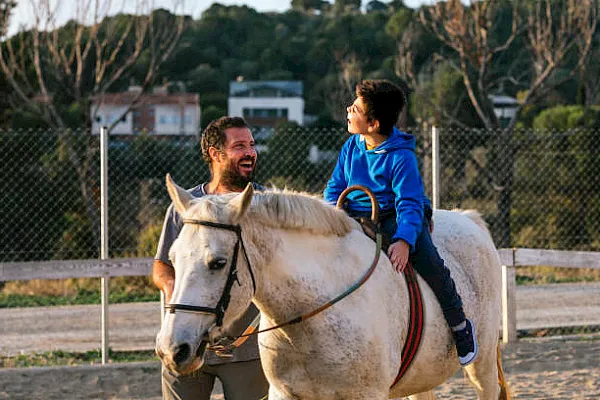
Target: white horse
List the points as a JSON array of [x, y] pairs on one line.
[[301, 253]]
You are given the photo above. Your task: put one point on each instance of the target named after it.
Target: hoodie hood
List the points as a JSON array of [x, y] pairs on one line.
[[397, 140]]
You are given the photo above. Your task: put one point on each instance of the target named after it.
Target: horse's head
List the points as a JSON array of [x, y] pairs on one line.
[[213, 281]]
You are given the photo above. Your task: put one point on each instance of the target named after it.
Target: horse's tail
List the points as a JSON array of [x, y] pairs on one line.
[[504, 390]]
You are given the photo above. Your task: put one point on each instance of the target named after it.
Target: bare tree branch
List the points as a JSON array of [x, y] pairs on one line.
[[554, 32], [91, 48]]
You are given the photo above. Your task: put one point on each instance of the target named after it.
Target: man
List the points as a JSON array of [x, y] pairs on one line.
[[228, 149]]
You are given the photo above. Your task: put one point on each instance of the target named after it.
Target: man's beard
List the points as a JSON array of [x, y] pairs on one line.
[[232, 179]]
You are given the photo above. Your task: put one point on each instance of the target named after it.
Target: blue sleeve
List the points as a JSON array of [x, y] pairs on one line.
[[408, 189], [171, 228], [337, 183]]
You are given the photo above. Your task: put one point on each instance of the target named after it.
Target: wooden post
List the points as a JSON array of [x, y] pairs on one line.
[[509, 303]]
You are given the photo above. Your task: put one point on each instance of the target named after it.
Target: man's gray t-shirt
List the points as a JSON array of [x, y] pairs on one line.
[[171, 228]]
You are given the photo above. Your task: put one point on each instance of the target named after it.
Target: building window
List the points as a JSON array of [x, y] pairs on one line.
[[265, 112]]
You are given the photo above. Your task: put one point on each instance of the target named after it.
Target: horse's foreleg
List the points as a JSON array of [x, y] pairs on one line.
[[423, 396]]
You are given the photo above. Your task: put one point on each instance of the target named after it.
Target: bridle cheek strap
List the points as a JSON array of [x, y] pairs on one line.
[[223, 303]]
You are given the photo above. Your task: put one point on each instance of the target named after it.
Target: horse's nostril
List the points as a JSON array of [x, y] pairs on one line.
[[182, 353]]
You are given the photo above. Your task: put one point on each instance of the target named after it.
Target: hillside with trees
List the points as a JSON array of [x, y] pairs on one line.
[[533, 175], [448, 55]]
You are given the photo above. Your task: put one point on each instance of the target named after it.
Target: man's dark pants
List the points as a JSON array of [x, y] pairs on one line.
[[241, 381]]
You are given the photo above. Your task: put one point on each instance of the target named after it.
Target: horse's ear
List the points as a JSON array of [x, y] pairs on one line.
[[181, 198], [241, 202]]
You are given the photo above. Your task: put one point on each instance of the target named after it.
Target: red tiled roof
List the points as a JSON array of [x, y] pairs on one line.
[[127, 98]]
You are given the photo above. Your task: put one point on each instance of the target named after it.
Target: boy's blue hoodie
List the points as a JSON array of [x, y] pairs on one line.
[[391, 172]]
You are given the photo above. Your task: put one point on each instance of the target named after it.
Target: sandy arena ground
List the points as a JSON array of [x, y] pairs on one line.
[[536, 369], [556, 368]]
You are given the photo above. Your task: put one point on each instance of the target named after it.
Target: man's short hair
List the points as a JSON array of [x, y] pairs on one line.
[[384, 101], [214, 134]]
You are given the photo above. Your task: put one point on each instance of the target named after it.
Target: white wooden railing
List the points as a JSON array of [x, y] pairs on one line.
[[65, 269], [105, 269], [512, 258]]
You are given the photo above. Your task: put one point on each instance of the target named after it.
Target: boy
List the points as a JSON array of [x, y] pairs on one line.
[[382, 158]]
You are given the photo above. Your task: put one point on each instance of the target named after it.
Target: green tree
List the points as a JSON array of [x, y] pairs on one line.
[[346, 6], [309, 5], [54, 72], [211, 113], [564, 118], [567, 205], [558, 36]]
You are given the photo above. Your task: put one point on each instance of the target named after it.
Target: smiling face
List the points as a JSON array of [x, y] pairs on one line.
[[237, 161]]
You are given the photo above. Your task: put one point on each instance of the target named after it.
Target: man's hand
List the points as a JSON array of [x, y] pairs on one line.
[[398, 254], [163, 276]]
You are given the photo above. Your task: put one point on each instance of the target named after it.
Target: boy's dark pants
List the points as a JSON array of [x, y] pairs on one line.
[[426, 260]]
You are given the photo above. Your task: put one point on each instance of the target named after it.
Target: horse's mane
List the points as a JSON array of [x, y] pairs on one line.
[[296, 210], [282, 209]]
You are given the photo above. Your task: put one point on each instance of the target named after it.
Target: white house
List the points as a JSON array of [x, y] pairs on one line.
[[266, 103], [157, 113]]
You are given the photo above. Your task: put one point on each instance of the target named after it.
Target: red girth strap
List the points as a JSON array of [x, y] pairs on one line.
[[415, 325]]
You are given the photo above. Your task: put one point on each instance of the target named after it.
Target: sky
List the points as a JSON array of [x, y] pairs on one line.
[[23, 14]]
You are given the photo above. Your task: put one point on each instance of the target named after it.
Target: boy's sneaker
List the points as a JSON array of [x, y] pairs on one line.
[[466, 344]]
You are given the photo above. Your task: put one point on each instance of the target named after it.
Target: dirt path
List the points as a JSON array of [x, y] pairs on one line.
[[134, 326]]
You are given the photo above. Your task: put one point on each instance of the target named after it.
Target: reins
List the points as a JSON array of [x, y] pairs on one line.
[[223, 303], [330, 303], [251, 330]]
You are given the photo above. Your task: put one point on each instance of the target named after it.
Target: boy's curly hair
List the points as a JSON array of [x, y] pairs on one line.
[[384, 101], [214, 134]]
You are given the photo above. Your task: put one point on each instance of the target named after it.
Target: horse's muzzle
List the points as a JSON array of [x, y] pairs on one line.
[[181, 359]]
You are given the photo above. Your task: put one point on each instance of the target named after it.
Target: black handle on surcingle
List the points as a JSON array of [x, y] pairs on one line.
[[369, 192]]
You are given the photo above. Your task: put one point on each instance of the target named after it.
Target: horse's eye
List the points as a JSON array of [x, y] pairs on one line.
[[217, 263]]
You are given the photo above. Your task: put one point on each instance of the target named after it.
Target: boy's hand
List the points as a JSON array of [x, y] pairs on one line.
[[398, 254]]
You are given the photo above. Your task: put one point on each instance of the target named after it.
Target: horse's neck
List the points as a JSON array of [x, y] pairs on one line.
[[304, 272]]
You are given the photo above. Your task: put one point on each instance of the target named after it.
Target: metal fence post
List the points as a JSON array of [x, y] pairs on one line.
[[435, 168], [104, 236]]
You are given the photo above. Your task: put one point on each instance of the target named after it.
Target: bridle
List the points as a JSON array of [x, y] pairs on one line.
[[223, 303]]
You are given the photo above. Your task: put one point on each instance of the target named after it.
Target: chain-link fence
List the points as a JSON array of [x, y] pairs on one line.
[[535, 189]]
